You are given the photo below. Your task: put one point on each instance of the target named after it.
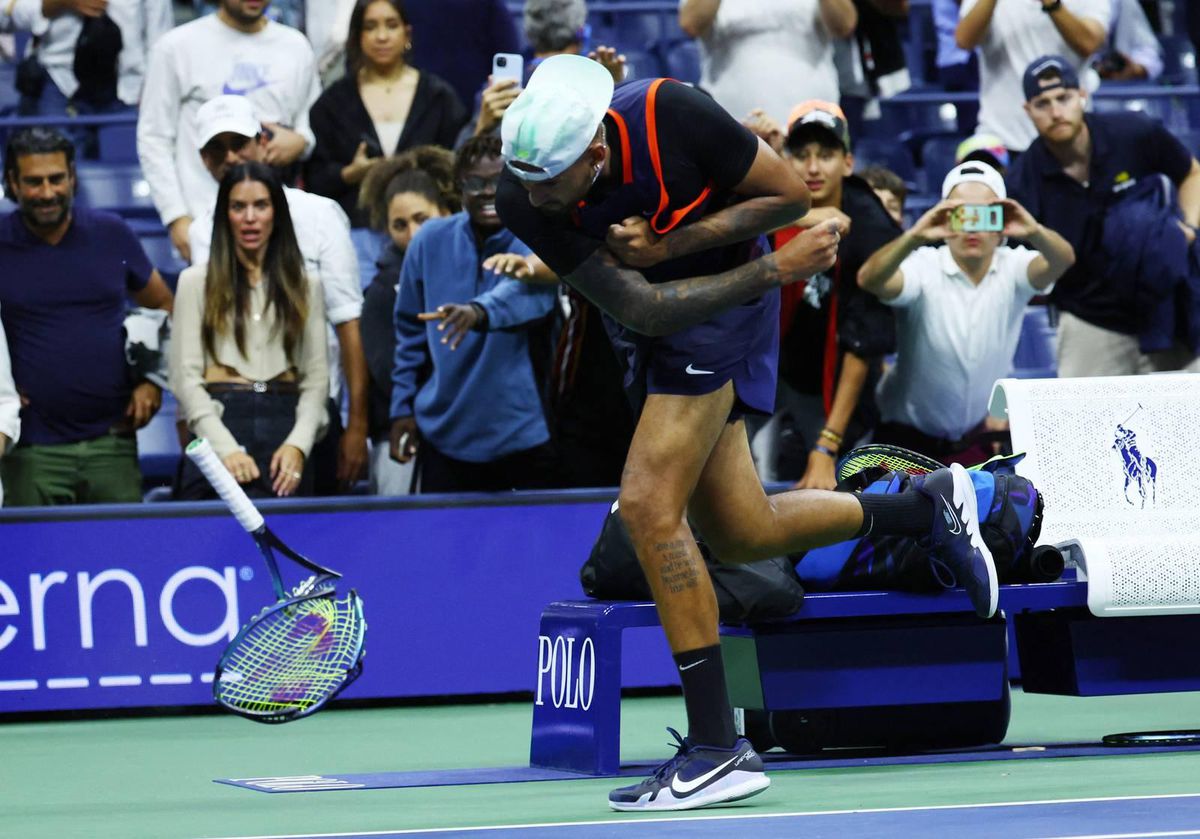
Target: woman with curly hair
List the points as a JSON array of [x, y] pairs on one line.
[[247, 356], [399, 194]]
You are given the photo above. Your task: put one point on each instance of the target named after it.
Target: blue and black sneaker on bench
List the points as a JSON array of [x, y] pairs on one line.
[[698, 776], [956, 539]]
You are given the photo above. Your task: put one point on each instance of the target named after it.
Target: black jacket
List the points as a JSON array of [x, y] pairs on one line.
[[379, 339], [340, 122]]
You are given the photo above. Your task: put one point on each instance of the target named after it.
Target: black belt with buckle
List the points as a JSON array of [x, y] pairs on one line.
[[253, 387]]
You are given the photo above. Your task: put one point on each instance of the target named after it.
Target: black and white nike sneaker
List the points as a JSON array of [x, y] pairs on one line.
[[698, 776], [956, 540]]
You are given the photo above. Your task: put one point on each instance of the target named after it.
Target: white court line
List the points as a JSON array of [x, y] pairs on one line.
[[120, 681], [636, 820], [55, 684], [170, 678], [19, 684]]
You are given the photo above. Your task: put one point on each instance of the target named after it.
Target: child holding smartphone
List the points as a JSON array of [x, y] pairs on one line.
[[960, 295]]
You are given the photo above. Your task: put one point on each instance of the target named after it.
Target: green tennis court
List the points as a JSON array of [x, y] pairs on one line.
[[153, 777]]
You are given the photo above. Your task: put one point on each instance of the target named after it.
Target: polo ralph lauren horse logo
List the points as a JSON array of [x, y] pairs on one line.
[[1139, 469]]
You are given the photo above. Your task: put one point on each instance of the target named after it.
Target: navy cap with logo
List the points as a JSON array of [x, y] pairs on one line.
[[1047, 73]]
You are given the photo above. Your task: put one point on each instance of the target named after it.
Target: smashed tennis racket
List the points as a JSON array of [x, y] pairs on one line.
[[302, 650]]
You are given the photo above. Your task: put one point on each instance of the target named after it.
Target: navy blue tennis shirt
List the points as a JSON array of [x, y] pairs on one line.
[[1126, 146], [63, 308]]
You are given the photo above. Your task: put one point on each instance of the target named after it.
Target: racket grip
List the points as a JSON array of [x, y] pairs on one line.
[[235, 498]]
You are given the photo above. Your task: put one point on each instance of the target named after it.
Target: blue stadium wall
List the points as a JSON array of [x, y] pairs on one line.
[[130, 606]]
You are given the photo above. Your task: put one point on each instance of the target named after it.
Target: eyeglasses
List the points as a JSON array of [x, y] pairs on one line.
[[473, 185]]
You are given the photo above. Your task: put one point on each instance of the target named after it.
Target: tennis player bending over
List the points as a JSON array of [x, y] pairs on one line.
[[650, 201]]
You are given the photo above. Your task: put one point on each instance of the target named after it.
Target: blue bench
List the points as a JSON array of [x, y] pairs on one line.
[[855, 650]]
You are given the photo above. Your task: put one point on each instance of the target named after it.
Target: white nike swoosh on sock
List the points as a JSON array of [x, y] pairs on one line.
[[693, 664]]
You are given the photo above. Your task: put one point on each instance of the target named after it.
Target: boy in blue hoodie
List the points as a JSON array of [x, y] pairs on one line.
[[476, 416]]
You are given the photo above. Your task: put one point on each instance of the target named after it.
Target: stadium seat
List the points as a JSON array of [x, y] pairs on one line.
[[158, 445], [937, 158], [118, 143], [1179, 60], [678, 58], [1035, 357], [162, 254], [885, 152], [119, 187]]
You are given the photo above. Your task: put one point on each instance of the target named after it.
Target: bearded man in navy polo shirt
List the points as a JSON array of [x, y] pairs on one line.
[[1077, 178], [65, 278]]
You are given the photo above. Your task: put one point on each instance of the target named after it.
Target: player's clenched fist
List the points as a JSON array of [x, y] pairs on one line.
[[811, 252]]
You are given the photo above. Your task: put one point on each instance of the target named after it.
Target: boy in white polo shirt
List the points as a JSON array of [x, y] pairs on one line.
[[960, 300]]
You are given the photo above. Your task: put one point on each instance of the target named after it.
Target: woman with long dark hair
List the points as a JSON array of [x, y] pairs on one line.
[[381, 107], [248, 362]]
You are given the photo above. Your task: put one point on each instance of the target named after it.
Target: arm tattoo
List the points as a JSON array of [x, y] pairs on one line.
[[677, 566], [735, 223], [662, 308]]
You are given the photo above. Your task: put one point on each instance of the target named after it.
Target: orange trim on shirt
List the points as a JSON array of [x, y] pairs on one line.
[[626, 154], [664, 200]]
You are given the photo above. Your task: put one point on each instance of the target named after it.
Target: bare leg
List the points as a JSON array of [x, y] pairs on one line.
[[741, 523], [670, 447]]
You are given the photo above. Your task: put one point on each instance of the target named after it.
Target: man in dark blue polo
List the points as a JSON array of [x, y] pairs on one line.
[[66, 276], [1076, 175]]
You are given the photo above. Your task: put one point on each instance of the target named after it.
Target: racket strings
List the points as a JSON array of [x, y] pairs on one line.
[[892, 459], [293, 658]]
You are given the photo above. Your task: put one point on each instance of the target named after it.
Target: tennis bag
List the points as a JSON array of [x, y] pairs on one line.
[[1010, 527], [746, 593]]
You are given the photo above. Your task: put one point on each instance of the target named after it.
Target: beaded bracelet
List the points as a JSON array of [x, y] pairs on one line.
[[832, 436]]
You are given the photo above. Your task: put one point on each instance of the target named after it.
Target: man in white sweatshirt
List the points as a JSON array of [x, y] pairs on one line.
[[234, 51], [10, 405]]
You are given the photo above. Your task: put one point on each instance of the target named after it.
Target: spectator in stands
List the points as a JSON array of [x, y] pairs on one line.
[[110, 60], [768, 54], [889, 188], [1010, 34], [961, 299], [248, 358], [1078, 178], [958, 69], [401, 194], [477, 420], [229, 133], [833, 335], [10, 405], [552, 27], [327, 23], [458, 39], [1133, 51], [382, 107], [235, 51], [66, 274], [987, 148]]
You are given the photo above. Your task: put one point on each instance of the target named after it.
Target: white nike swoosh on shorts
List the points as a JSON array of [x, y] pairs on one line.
[[692, 371]]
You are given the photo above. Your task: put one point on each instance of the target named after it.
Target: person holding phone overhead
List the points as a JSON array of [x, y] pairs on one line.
[[960, 296], [381, 107]]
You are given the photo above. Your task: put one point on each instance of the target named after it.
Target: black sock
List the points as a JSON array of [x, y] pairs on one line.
[[710, 718], [901, 514]]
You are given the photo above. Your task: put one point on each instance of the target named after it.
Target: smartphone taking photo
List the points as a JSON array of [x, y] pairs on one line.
[[508, 65], [977, 218]]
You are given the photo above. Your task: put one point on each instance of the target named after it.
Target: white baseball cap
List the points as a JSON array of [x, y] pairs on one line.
[[974, 171], [234, 114], [553, 121]]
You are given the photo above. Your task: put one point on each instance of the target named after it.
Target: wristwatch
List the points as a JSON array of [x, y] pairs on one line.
[[1050, 8]]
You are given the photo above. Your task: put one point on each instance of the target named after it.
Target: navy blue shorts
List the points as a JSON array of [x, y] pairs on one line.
[[740, 345]]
